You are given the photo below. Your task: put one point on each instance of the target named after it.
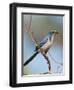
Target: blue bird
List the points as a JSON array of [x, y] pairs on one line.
[[44, 45]]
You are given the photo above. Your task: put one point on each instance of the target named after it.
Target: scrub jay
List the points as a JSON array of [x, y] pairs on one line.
[[44, 46]]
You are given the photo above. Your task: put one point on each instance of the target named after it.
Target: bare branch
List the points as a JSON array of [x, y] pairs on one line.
[[31, 33], [48, 61]]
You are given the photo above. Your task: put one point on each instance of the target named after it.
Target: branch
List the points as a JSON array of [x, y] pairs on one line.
[[48, 61], [31, 33]]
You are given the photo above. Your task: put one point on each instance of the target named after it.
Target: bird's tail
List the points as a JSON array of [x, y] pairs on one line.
[[31, 58]]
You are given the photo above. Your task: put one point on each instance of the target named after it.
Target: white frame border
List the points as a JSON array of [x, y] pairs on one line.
[[21, 79]]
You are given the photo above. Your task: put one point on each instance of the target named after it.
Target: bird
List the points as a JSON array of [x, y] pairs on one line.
[[44, 45]]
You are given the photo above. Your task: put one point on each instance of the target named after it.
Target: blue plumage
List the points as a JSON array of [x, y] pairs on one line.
[[49, 35], [45, 39]]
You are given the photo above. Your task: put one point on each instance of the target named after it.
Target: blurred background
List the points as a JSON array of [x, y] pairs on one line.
[[41, 25]]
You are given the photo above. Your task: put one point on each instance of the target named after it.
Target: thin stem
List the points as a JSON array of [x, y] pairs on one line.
[[48, 61]]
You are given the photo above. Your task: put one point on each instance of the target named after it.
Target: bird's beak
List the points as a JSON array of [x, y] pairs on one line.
[[56, 32]]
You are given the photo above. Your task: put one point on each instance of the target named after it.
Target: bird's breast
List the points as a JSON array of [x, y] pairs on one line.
[[47, 45]]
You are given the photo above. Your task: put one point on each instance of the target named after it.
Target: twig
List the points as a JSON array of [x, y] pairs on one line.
[[31, 33], [48, 61]]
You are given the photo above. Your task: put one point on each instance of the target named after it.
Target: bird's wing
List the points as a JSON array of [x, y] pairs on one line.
[[43, 42]]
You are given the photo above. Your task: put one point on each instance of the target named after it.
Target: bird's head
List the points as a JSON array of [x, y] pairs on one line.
[[53, 32]]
